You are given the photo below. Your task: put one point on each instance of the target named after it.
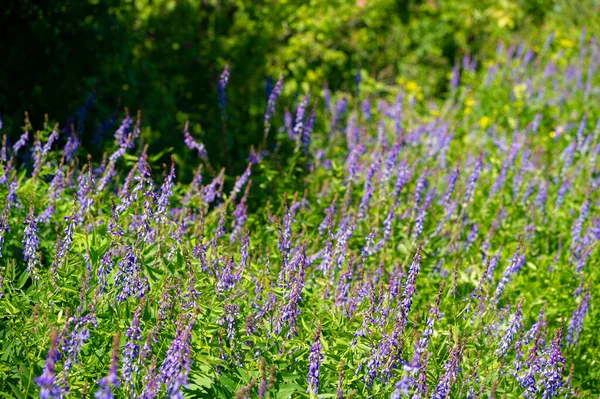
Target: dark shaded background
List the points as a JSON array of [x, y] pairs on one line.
[[83, 61]]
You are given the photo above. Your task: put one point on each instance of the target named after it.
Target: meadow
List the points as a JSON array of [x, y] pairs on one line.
[[389, 245]]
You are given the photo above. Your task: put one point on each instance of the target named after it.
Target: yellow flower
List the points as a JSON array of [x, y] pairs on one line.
[[467, 111], [411, 86], [434, 112], [484, 122], [470, 102], [552, 134], [519, 90], [566, 43]]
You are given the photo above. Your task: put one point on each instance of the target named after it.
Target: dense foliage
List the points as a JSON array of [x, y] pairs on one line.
[[80, 60], [389, 245]]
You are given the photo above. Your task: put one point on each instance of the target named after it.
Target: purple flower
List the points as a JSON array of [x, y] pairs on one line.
[[447, 197], [340, 108], [132, 347], [213, 190], [21, 142], [576, 323], [352, 162], [275, 93], [513, 328], [123, 130], [151, 383], [369, 186], [31, 242], [308, 129], [514, 266], [422, 212], [4, 226], [290, 311], [112, 379], [422, 185], [166, 190], [71, 147], [473, 179], [578, 225], [224, 78], [366, 109], [175, 368], [299, 120], [193, 144], [390, 162], [451, 371], [553, 368], [239, 183], [455, 79], [130, 278], [315, 359], [48, 389], [12, 192], [410, 284]]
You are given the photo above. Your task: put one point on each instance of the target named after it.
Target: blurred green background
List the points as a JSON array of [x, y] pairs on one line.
[[83, 61]]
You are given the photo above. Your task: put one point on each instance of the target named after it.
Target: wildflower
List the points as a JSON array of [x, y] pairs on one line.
[[390, 162], [340, 391], [71, 147], [369, 187], [21, 142], [273, 96], [455, 78], [451, 370], [514, 266], [122, 131], [48, 388], [290, 311], [422, 185], [299, 120], [224, 78], [166, 190], [576, 323], [239, 183], [175, 368], [132, 347], [130, 277], [315, 359], [409, 286], [578, 225], [191, 143], [4, 226], [151, 383], [308, 128], [111, 381], [213, 190], [31, 242], [512, 330], [447, 197], [473, 179], [553, 368]]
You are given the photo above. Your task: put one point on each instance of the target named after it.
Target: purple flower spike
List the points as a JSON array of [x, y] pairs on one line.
[[48, 389], [222, 86], [315, 359], [112, 379], [576, 323], [273, 97], [191, 143], [31, 242], [411, 279]]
